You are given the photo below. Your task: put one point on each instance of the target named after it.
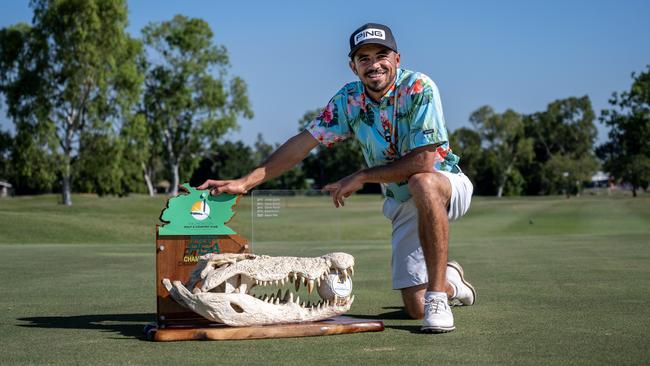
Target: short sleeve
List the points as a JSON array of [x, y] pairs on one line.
[[331, 125], [427, 125]]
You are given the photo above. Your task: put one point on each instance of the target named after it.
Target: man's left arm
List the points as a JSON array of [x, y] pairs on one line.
[[420, 160]]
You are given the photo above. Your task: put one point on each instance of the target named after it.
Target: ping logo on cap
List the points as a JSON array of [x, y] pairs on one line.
[[368, 34]]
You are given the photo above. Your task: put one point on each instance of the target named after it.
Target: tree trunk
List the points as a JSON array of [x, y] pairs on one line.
[[67, 199], [66, 172], [147, 180], [502, 181], [66, 194], [174, 166]]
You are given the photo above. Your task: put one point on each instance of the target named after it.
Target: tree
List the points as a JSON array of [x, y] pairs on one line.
[[466, 143], [293, 179], [505, 143], [72, 70], [262, 150], [6, 143], [627, 153], [32, 158], [228, 160], [98, 168], [563, 136], [183, 101], [139, 155], [327, 165]]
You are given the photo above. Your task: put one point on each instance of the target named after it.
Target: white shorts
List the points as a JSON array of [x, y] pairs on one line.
[[408, 266]]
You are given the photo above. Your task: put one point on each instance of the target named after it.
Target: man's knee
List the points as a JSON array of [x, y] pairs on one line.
[[413, 298], [414, 312], [433, 185]]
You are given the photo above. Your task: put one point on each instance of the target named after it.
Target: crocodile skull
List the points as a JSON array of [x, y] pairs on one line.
[[221, 285]]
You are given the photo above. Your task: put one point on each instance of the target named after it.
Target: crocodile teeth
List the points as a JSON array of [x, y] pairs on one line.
[[310, 286], [288, 297], [352, 270]]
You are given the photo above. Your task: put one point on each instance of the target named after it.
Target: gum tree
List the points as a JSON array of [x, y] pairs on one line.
[[506, 145], [563, 142], [189, 101], [69, 72], [627, 153]]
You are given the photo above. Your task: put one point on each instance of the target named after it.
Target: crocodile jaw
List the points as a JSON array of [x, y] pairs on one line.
[[224, 295]]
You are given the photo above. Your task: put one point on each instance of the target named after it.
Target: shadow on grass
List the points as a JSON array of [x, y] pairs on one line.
[[128, 325], [399, 314], [132, 325]]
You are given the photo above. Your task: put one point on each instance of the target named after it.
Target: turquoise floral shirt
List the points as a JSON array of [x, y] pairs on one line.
[[385, 133]]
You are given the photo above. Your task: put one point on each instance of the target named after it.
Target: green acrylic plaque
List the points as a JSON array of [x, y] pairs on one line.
[[196, 212]]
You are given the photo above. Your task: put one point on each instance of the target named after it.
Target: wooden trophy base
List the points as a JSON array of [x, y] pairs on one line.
[[221, 332]]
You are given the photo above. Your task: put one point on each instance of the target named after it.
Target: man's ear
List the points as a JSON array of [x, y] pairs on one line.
[[353, 67], [397, 58]]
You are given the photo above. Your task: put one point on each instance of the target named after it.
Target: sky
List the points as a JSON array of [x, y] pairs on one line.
[[507, 54]]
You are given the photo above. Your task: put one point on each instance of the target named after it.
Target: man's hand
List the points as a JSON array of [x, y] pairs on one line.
[[233, 186], [344, 188]]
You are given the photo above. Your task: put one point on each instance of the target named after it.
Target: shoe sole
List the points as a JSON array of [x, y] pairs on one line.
[[437, 329], [455, 265]]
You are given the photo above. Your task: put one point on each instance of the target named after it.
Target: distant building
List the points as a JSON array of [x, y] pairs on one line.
[[600, 179], [5, 187], [163, 187]]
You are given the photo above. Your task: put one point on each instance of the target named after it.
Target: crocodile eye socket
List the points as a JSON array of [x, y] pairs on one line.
[[236, 308], [221, 265]]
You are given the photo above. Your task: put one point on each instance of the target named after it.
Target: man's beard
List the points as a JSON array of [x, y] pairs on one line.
[[379, 85], [376, 86]]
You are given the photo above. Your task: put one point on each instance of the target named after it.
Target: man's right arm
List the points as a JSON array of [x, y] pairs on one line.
[[281, 160]]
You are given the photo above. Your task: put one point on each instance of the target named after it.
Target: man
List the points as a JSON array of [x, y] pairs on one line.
[[396, 115]]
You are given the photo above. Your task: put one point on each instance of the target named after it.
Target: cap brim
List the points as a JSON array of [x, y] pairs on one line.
[[357, 47]]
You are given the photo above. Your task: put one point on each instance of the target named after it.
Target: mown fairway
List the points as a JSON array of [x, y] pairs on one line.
[[559, 282]]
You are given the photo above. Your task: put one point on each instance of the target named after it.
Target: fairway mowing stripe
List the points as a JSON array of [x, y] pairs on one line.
[[379, 349], [558, 236]]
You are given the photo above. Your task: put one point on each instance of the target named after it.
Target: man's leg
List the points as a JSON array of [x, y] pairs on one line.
[[413, 298], [431, 194], [453, 193]]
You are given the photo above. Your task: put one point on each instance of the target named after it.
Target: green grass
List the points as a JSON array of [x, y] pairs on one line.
[[559, 282]]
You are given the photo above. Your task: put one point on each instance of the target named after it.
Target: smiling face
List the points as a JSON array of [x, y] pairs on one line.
[[376, 66]]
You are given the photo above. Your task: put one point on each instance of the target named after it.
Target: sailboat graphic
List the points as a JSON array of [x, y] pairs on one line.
[[200, 210]]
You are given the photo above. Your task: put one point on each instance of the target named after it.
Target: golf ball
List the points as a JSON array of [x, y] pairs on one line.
[[335, 285]]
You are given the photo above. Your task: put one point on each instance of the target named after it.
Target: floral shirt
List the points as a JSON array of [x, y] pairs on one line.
[[385, 133]]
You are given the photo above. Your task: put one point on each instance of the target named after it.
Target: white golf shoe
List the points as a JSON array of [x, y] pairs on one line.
[[465, 292], [437, 316]]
